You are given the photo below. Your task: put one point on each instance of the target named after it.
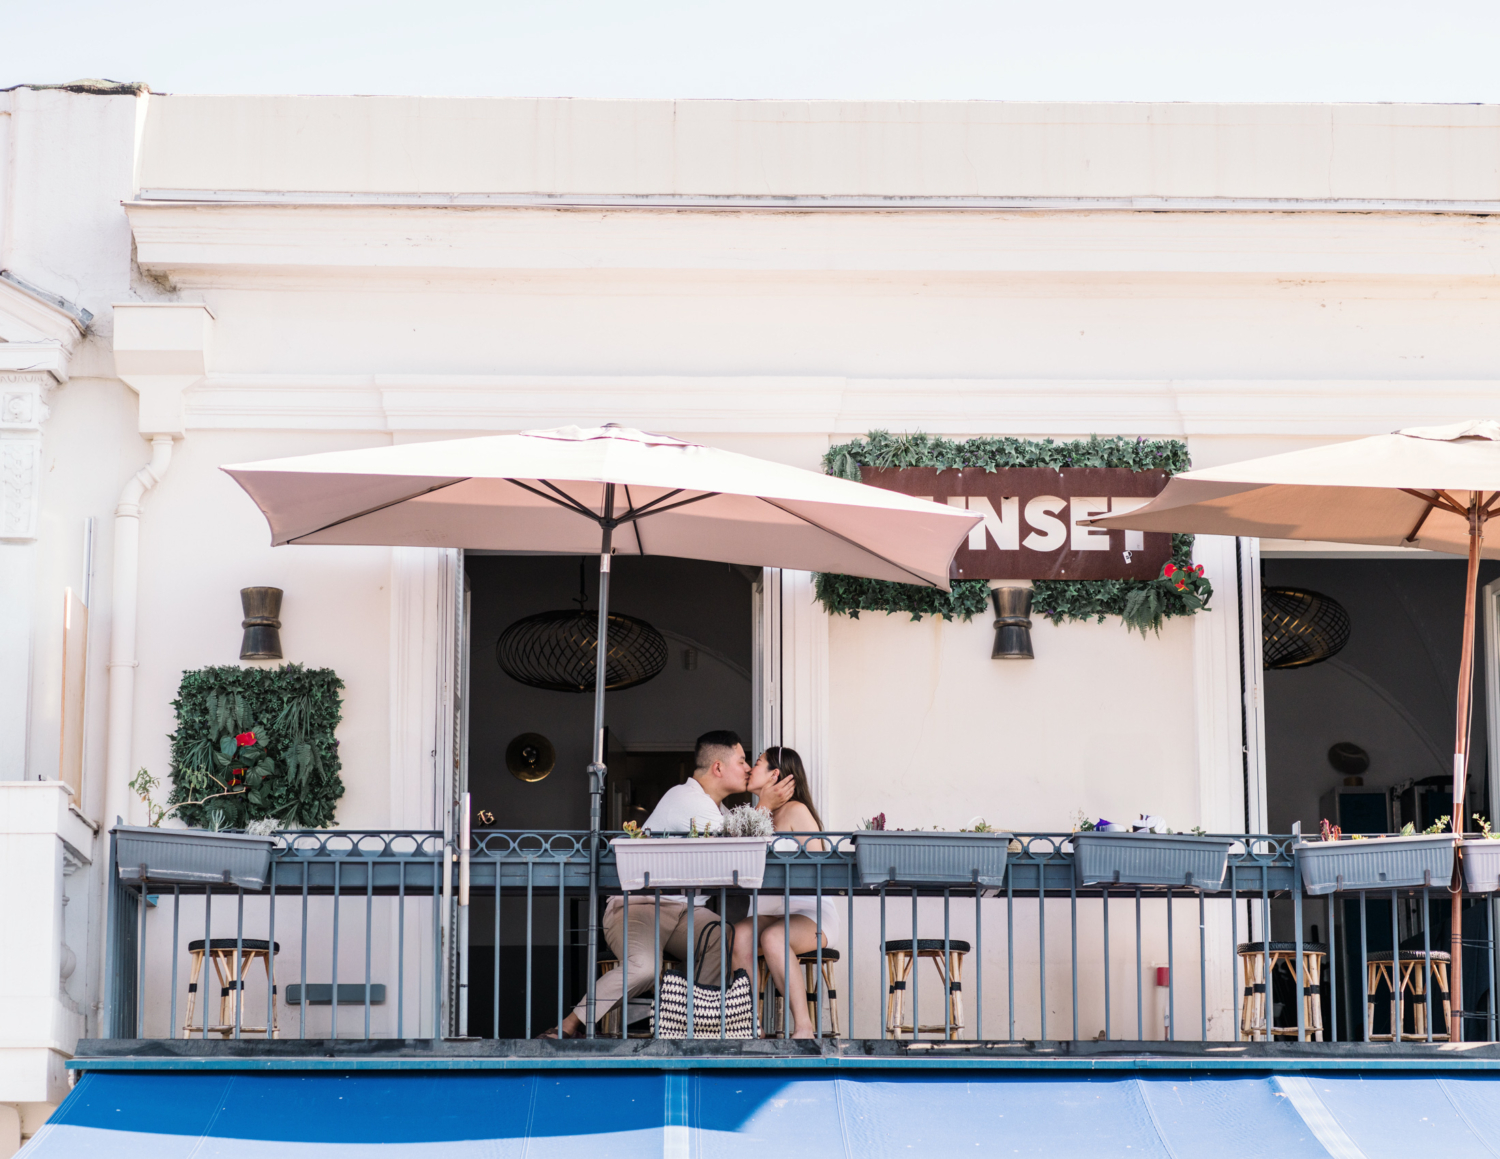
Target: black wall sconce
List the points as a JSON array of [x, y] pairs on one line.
[[262, 624], [1012, 624]]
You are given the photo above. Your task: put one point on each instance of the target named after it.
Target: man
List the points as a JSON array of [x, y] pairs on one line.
[[720, 769]]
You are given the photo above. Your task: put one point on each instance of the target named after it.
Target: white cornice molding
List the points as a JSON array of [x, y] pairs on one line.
[[831, 405], [45, 357], [233, 244]]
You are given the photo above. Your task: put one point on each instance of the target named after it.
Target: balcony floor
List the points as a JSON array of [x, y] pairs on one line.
[[854, 1054]]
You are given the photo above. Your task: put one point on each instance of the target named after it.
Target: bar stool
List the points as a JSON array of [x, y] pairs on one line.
[[899, 964], [609, 1025], [1253, 1000], [231, 958], [1413, 989], [812, 985]]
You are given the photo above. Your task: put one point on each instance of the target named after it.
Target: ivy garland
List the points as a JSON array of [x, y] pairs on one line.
[[1142, 604], [292, 711]]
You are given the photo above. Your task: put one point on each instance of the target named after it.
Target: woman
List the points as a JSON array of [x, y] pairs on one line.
[[801, 926]]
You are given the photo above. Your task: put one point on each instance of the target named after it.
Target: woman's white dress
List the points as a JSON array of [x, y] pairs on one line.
[[774, 904]]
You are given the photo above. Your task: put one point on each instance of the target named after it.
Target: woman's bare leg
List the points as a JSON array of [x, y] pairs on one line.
[[804, 938]]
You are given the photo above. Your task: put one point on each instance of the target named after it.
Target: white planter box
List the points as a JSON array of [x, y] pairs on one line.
[[688, 862], [1376, 863], [192, 856], [1482, 866]]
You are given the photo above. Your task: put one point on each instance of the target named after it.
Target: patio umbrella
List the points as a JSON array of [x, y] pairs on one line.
[[570, 490], [1425, 487]]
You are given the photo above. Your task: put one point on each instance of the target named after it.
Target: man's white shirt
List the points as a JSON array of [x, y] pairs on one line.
[[681, 807]]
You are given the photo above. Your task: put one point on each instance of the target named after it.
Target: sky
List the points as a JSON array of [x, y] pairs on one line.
[[1026, 50]]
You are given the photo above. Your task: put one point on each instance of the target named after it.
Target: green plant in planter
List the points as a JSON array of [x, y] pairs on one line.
[[290, 773]]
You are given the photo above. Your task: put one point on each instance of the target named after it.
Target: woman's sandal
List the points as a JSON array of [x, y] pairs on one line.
[[556, 1033]]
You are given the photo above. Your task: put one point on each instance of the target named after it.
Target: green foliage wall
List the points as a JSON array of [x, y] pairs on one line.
[[1057, 600], [293, 712]]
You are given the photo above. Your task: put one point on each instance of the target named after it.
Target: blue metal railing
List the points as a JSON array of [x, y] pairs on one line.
[[361, 906]]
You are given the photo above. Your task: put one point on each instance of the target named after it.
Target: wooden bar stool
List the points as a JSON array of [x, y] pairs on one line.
[[899, 964], [1413, 990], [609, 1025], [231, 975], [1256, 999], [769, 995]]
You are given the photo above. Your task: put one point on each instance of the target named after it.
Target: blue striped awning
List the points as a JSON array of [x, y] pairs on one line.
[[764, 1114]]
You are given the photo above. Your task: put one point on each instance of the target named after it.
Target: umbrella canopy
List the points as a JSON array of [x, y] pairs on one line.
[[611, 490], [544, 491], [1425, 487], [1408, 489]]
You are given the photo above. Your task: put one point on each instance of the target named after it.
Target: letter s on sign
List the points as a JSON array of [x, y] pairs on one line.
[[1051, 532]]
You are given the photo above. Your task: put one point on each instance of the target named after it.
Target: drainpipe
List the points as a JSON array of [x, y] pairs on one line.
[[122, 630]]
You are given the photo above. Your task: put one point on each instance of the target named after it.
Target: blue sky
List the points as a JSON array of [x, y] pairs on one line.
[[1269, 50]]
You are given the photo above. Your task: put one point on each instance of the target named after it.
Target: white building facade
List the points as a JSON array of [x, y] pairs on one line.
[[187, 282]]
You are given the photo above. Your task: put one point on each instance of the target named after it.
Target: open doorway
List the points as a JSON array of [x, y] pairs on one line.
[[1364, 739], [704, 614]]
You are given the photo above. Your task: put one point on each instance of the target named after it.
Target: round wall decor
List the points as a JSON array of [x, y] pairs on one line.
[[530, 757], [557, 650]]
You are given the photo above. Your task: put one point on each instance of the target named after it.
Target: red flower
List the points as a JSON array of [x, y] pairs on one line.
[[245, 738], [1169, 571], [1181, 584], [236, 776], [1199, 569]]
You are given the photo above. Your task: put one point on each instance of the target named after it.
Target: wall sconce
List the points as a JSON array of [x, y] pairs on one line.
[[1012, 624], [262, 624]]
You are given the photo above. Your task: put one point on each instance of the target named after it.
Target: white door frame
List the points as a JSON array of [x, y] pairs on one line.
[[790, 674]]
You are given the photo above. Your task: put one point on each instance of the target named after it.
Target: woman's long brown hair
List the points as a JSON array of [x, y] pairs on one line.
[[787, 763]]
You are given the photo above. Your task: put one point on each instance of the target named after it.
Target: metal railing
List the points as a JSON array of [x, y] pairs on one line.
[[365, 919]]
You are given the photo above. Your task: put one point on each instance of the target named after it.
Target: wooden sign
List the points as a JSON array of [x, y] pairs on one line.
[[1032, 515]]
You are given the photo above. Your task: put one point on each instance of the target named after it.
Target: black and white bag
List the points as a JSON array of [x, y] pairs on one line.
[[738, 1015]]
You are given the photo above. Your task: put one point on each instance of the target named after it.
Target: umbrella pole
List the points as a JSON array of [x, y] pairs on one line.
[[1461, 763], [596, 768]]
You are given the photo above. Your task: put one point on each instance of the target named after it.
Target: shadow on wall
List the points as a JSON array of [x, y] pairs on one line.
[[702, 609], [1391, 691]]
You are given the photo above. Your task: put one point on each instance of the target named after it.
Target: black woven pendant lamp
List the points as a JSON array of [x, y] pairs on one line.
[[557, 650], [1300, 627]]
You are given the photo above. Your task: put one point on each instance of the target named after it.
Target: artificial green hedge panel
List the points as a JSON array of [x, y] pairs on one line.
[[1057, 600], [293, 712]]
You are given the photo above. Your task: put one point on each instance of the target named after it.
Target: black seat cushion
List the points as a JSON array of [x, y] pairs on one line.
[[925, 945], [811, 957], [1283, 947], [196, 946]]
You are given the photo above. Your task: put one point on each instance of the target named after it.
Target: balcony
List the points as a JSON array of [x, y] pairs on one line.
[[376, 920]]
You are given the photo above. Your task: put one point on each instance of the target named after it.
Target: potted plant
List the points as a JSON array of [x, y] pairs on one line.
[[1408, 860], [1148, 853], [1481, 860], [976, 855], [699, 860], [203, 856]]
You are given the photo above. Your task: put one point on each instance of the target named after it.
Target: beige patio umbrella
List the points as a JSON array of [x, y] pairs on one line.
[[1425, 487], [569, 491]]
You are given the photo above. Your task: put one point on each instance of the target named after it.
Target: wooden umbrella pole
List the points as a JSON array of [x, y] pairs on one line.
[[1461, 764]]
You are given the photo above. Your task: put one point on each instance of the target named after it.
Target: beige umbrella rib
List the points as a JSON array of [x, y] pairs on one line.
[[377, 507]]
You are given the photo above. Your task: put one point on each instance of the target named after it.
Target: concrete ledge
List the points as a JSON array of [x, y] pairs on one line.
[[534, 1054]]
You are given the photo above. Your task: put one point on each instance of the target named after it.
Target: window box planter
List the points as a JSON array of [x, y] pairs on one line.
[[689, 862], [1174, 859], [1375, 863], [1481, 865], [192, 856], [918, 858]]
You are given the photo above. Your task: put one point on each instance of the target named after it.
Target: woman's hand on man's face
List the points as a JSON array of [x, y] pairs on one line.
[[777, 794]]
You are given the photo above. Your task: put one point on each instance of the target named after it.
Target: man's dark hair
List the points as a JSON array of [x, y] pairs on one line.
[[714, 746]]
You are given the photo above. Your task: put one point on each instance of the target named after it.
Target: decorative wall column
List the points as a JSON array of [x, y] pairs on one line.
[[28, 370]]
